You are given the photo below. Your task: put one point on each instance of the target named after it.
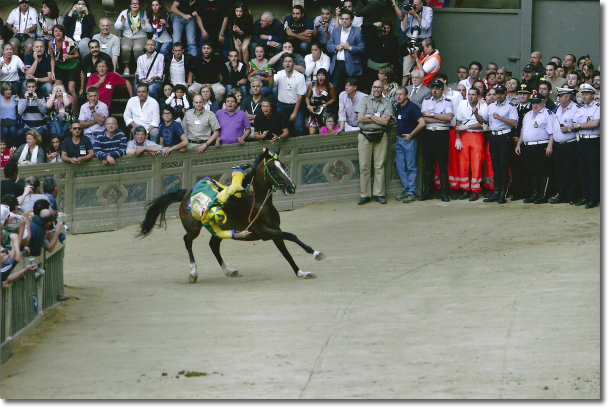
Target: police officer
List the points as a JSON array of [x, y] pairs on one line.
[[587, 126], [565, 145], [409, 123], [501, 116], [438, 112], [537, 139], [519, 182]]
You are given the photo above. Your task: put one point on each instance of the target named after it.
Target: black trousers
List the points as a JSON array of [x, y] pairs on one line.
[[339, 76], [501, 152], [589, 167], [436, 145], [537, 161], [564, 158]]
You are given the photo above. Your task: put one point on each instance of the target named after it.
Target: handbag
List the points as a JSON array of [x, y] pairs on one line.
[[373, 136]]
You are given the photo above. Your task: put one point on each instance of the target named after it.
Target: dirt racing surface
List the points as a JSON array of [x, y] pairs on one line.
[[421, 300]]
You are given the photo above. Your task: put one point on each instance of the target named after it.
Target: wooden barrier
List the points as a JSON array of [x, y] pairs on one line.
[[25, 301], [102, 198]]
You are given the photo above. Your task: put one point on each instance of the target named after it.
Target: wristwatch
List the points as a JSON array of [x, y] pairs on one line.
[[432, 114]]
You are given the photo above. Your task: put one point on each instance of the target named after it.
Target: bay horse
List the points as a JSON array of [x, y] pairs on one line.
[[253, 212]]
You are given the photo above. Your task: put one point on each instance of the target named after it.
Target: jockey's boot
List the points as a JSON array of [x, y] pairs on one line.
[[243, 166]]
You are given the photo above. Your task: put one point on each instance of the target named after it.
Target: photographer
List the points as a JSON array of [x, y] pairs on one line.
[[383, 49], [371, 10], [32, 110], [429, 62], [413, 14]]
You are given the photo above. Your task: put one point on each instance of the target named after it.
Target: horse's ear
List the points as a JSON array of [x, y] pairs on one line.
[[279, 151]]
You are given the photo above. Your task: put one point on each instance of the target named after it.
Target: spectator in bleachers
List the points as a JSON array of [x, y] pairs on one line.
[[47, 19], [324, 26], [417, 91], [371, 10], [206, 69], [141, 144], [240, 26], [462, 90], [349, 99], [177, 66], [490, 67], [76, 149], [291, 91], [299, 30], [172, 136], [11, 184], [150, 67], [461, 73], [251, 104], [513, 87], [331, 125], [60, 111], [320, 95], [200, 125], [10, 66], [389, 86], [109, 43], [356, 22], [22, 21], [32, 110], [106, 82], [234, 73], [347, 46], [212, 20], [65, 58], [93, 114], [88, 64], [182, 17], [276, 62], [314, 61], [575, 81], [8, 113], [234, 124], [490, 80], [162, 28], [53, 155], [259, 68], [38, 67], [270, 125], [474, 71], [529, 77], [144, 111], [50, 189], [238, 95], [79, 24], [112, 144], [544, 88], [382, 46], [135, 25], [39, 226], [209, 101], [31, 152], [596, 83], [5, 152], [569, 64], [501, 76], [178, 100], [269, 33], [429, 62]]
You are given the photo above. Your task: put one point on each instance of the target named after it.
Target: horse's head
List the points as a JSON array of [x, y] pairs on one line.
[[270, 170]]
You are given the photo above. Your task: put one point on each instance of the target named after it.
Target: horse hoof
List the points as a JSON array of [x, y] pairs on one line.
[[318, 255], [193, 278], [306, 275], [232, 273]]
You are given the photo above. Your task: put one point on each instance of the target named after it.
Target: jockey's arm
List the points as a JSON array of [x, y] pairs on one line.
[[222, 234]]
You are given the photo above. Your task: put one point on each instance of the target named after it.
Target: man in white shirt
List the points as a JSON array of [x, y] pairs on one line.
[[176, 66], [150, 69], [23, 21], [474, 71], [108, 42], [142, 110], [291, 90]]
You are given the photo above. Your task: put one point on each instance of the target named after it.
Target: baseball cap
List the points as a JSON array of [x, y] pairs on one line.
[[500, 89], [529, 68]]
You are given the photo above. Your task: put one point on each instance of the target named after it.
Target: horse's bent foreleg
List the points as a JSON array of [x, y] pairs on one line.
[[279, 234], [214, 244], [281, 246]]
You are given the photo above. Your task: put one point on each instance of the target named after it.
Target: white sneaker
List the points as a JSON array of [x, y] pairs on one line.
[[126, 72]]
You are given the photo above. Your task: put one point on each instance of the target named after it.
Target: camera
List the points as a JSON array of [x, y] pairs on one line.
[[412, 44], [408, 7]]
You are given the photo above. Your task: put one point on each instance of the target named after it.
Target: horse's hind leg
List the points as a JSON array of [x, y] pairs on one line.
[[214, 244], [193, 271], [281, 246]]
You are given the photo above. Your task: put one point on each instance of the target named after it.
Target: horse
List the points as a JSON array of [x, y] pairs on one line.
[[253, 212]]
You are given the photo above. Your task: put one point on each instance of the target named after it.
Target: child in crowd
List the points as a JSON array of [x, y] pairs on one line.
[[5, 153], [330, 123], [141, 144], [178, 100], [54, 153], [171, 133]]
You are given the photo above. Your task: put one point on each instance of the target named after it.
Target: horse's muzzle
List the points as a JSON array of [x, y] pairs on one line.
[[289, 189]]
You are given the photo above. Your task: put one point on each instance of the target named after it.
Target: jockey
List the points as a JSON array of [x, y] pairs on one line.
[[207, 198]]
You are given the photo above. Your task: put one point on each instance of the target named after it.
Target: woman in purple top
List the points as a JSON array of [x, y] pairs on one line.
[[234, 123], [8, 112]]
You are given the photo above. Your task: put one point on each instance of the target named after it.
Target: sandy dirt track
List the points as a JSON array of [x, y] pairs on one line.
[[424, 300]]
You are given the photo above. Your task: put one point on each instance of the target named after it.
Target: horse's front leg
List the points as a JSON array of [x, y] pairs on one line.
[[279, 234], [214, 244], [281, 246]]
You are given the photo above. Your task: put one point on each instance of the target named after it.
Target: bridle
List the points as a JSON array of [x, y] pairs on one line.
[[272, 190]]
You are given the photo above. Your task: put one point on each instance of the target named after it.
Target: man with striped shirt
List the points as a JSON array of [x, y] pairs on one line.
[[111, 144]]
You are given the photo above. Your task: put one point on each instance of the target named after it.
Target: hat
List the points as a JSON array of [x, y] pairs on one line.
[[529, 68], [24, 1], [566, 90], [437, 84], [586, 88], [500, 89], [523, 88], [536, 97]]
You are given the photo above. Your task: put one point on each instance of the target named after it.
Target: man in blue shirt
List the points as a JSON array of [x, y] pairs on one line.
[[171, 133], [50, 189], [38, 66], [409, 123]]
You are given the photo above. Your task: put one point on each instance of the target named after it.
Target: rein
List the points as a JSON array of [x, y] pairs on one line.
[[268, 194]]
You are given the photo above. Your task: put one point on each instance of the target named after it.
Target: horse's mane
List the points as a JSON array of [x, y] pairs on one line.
[[249, 177]]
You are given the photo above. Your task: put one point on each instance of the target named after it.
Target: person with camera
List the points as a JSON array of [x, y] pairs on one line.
[[382, 46], [429, 61], [347, 47], [32, 110], [374, 113], [23, 22], [79, 23], [324, 26], [413, 14]]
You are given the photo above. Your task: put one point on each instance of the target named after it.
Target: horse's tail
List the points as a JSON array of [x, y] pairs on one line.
[[157, 208]]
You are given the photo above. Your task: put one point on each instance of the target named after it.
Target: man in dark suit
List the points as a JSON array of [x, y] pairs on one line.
[[346, 45], [417, 91]]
